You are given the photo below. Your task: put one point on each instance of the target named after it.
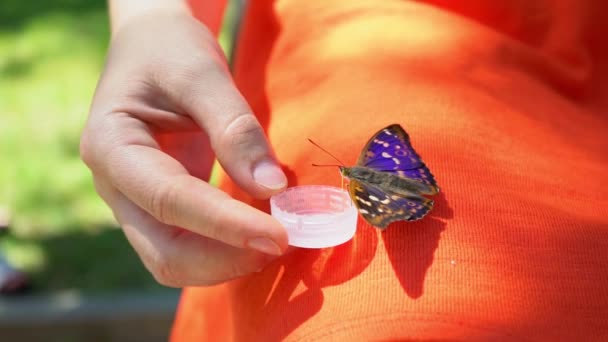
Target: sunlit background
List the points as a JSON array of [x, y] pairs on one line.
[[60, 233]]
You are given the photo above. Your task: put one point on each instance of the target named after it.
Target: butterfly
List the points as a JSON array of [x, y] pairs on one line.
[[389, 180]]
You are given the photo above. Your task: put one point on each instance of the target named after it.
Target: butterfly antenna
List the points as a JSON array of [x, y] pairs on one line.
[[326, 165], [324, 150]]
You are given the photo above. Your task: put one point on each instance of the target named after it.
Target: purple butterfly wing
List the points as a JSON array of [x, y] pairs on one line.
[[390, 150], [380, 208]]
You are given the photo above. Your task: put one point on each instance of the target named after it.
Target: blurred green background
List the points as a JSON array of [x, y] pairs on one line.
[[62, 234]]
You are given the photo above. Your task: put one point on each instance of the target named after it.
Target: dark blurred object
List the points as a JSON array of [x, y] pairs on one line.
[[12, 281], [4, 219]]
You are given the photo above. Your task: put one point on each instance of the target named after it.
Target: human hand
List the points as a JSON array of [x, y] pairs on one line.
[[166, 76]]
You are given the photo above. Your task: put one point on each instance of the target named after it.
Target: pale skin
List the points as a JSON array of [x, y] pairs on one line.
[[165, 75]]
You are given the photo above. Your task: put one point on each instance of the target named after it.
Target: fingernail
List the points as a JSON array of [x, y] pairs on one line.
[[264, 245], [270, 176]]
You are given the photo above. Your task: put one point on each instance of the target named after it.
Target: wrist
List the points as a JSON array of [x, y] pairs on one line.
[[124, 11]]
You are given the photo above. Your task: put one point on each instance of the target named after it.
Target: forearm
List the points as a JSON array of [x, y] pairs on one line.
[[122, 10]]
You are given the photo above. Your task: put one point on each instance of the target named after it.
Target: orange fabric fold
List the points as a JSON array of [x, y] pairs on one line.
[[505, 101]]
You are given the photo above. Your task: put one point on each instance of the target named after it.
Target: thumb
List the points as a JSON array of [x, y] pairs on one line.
[[236, 136]]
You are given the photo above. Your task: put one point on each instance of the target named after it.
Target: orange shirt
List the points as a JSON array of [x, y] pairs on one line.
[[506, 101]]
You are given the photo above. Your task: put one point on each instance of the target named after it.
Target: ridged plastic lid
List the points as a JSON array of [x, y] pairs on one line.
[[315, 216]]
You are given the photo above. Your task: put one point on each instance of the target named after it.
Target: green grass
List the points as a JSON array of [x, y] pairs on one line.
[[51, 54]]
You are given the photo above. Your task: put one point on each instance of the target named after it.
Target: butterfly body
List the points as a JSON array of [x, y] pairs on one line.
[[394, 183], [389, 180]]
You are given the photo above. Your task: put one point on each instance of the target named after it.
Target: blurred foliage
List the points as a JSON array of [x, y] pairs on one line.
[[51, 54], [48, 72]]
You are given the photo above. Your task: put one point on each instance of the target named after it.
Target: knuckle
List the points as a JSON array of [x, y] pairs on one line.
[[165, 271], [87, 154], [237, 269], [243, 130], [207, 61], [206, 66], [103, 140], [253, 262], [163, 201]]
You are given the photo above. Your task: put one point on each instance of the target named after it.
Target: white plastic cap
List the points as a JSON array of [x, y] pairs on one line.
[[315, 216]]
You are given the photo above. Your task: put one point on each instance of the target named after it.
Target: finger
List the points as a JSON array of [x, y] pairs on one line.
[[239, 141], [176, 257], [161, 186]]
